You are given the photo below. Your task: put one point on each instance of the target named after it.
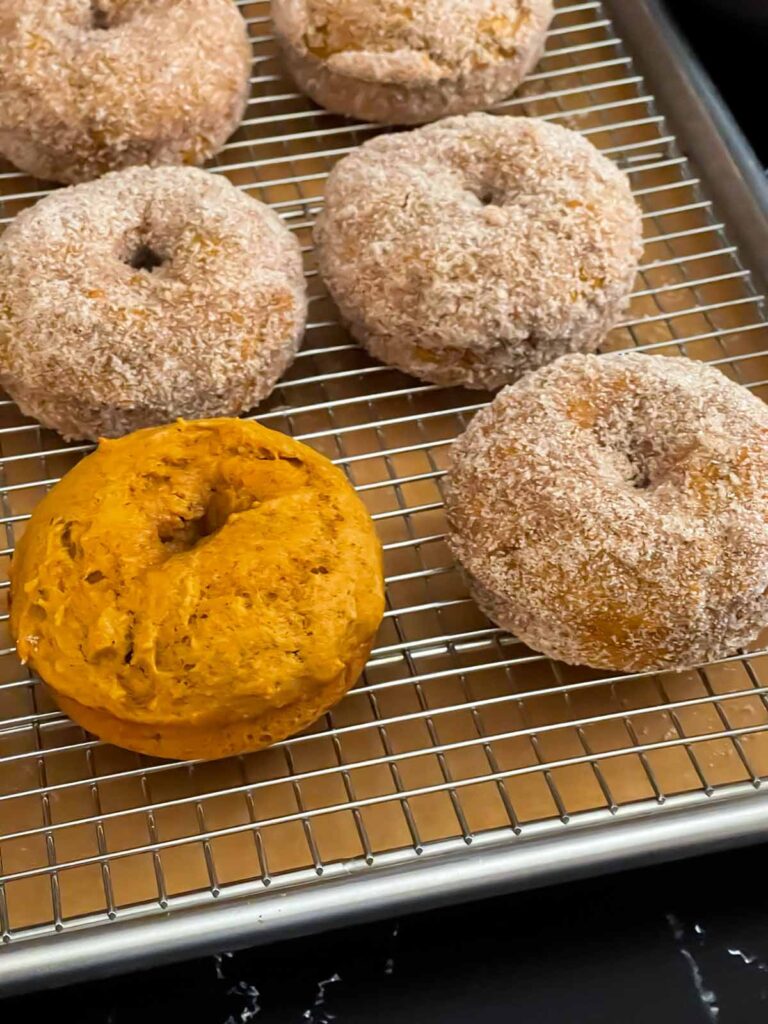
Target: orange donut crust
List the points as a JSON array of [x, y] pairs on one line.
[[198, 590], [208, 743]]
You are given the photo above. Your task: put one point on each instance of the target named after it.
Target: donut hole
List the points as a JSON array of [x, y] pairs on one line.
[[99, 18], [107, 14], [144, 257], [487, 195], [179, 534], [642, 462], [640, 478], [632, 455]]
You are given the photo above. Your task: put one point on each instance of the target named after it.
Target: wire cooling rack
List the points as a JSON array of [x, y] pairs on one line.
[[457, 731]]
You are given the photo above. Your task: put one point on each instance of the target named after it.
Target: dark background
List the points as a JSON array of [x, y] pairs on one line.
[[730, 37], [683, 943]]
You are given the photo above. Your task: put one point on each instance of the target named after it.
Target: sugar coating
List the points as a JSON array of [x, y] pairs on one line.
[[94, 342], [613, 511], [477, 248], [410, 61], [88, 86]]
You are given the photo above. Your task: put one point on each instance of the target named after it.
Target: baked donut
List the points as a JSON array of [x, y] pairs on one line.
[[472, 250], [409, 62], [198, 590], [89, 86], [149, 294], [613, 511]]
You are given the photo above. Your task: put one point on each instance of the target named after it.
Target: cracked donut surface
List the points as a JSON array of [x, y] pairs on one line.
[[410, 61], [199, 589], [612, 511], [477, 248]]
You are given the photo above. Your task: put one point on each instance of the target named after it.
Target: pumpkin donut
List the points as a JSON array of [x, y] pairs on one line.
[[149, 294], [198, 590], [409, 62], [90, 86], [477, 248], [612, 511]]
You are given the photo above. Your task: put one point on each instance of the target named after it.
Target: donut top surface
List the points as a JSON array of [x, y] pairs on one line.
[[476, 232], [614, 510], [196, 573], [411, 41], [145, 290]]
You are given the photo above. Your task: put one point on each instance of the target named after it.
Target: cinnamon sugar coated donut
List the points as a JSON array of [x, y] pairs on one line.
[[477, 248], [89, 86], [613, 511], [149, 294], [409, 62]]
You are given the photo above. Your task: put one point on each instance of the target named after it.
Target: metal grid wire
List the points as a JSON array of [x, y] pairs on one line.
[[456, 729]]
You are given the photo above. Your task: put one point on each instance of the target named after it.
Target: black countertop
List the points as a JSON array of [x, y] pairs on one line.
[[684, 943]]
